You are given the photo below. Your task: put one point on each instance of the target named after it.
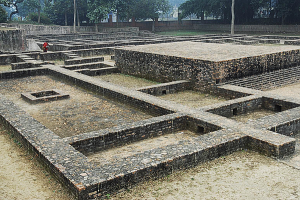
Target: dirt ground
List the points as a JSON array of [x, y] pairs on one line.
[[114, 154], [242, 175], [126, 80], [22, 177], [5, 67], [193, 99], [253, 115]]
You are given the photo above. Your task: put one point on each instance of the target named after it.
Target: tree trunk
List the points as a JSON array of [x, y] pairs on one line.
[[117, 18], [39, 15], [74, 24], [232, 18], [153, 26], [66, 19], [78, 21]]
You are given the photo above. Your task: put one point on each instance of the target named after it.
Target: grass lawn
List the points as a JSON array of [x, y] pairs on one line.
[[194, 32], [189, 32]]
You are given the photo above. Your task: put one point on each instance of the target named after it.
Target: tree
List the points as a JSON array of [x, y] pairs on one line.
[[98, 9], [33, 6], [232, 18], [12, 3], [126, 9], [195, 7], [60, 11], [245, 10], [288, 11], [148, 9], [3, 15]]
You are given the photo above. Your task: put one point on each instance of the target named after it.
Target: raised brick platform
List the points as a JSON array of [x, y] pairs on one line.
[[203, 64]]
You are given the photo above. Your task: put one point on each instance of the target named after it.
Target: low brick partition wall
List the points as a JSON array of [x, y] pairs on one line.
[[94, 52], [107, 139], [98, 71], [8, 58], [251, 103], [83, 60], [166, 88], [109, 91], [217, 136], [91, 65]]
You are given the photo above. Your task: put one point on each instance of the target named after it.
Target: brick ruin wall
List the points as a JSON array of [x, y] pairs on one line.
[[203, 75], [30, 29], [12, 40]]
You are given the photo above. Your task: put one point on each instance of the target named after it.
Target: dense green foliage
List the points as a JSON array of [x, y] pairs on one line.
[[126, 9], [3, 15], [98, 9], [288, 11], [33, 17], [61, 12], [10, 3], [245, 10]]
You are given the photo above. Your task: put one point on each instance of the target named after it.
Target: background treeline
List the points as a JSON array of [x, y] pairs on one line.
[[61, 12], [246, 11]]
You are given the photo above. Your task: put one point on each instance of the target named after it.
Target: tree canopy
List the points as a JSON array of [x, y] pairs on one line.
[[3, 15], [245, 10], [11, 3], [99, 9], [61, 12], [126, 9]]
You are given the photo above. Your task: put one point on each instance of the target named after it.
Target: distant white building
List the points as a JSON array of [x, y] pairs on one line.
[[175, 12]]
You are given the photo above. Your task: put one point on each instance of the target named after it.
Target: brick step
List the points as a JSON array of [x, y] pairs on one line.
[[25, 65], [97, 72], [86, 66], [83, 60]]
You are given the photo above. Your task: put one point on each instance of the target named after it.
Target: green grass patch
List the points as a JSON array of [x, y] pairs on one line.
[[195, 32], [188, 33]]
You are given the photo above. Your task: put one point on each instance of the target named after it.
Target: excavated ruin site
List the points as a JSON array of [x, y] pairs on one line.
[[105, 111]]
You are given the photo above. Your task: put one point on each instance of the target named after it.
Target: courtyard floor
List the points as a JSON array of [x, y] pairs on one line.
[[83, 112]]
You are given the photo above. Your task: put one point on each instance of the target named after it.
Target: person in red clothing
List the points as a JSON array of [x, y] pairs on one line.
[[45, 46]]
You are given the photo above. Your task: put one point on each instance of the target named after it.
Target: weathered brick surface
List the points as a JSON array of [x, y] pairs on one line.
[[166, 88]]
